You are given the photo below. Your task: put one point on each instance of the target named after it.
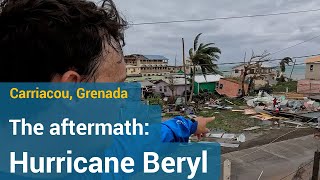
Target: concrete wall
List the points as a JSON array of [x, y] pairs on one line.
[[313, 71], [270, 79], [180, 89], [237, 71], [161, 87], [145, 67], [230, 88], [307, 86], [133, 71], [258, 83]]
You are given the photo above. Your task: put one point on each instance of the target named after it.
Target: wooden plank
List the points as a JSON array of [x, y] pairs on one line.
[[315, 171]]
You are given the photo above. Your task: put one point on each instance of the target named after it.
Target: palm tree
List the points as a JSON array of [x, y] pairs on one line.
[[204, 56], [285, 61]]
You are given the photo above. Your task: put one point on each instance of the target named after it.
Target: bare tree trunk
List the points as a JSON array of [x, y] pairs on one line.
[[243, 82], [173, 94], [250, 84], [192, 85], [281, 77]]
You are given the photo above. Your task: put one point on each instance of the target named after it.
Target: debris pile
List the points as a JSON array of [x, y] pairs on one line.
[[283, 103], [261, 113]]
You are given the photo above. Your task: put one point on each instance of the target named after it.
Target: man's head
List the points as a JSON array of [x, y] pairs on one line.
[[61, 41]]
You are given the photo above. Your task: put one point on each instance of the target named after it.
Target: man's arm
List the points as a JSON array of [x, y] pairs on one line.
[[179, 129]]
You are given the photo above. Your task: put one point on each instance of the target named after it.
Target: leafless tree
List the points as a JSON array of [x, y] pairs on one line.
[[171, 85], [253, 66]]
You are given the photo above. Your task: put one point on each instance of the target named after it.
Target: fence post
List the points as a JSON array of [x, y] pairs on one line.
[[315, 172], [227, 170]]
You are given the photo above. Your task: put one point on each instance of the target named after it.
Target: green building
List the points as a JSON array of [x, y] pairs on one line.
[[206, 83]]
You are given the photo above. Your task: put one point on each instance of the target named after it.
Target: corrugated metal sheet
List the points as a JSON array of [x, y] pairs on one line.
[[208, 78], [155, 57], [146, 83], [177, 81], [314, 115]]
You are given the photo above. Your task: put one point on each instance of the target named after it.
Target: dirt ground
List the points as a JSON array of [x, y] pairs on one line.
[[269, 136]]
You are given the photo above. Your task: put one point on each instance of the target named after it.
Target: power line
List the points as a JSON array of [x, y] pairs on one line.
[[279, 59], [226, 71], [267, 60], [284, 49], [296, 64], [276, 52], [229, 71], [224, 18]]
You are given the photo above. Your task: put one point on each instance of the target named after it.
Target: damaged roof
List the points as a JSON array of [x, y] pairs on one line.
[[146, 83], [232, 80], [315, 59]]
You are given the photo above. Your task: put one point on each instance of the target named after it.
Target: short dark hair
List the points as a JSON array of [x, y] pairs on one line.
[[41, 38]]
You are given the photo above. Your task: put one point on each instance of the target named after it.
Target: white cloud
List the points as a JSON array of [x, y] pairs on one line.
[[234, 37]]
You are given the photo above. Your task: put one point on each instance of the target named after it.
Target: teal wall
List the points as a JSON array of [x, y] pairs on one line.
[[210, 86]]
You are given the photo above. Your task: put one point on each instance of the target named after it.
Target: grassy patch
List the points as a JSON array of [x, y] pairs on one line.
[[170, 115], [281, 86], [229, 121]]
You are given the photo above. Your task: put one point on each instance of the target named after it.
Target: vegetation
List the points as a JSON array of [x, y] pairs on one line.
[[232, 122], [226, 120], [204, 56], [282, 86], [155, 100], [285, 61], [172, 86]]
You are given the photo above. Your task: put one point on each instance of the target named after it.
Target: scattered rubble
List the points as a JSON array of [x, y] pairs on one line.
[[241, 138], [297, 124], [229, 145], [283, 103], [252, 128], [273, 111]]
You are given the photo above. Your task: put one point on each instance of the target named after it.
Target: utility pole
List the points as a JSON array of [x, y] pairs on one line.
[[315, 172], [243, 78], [175, 61], [185, 76], [293, 67]]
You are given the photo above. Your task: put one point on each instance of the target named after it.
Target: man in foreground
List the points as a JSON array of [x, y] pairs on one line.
[[71, 41]]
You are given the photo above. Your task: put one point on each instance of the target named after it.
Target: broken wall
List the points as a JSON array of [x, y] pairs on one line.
[[307, 86]]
